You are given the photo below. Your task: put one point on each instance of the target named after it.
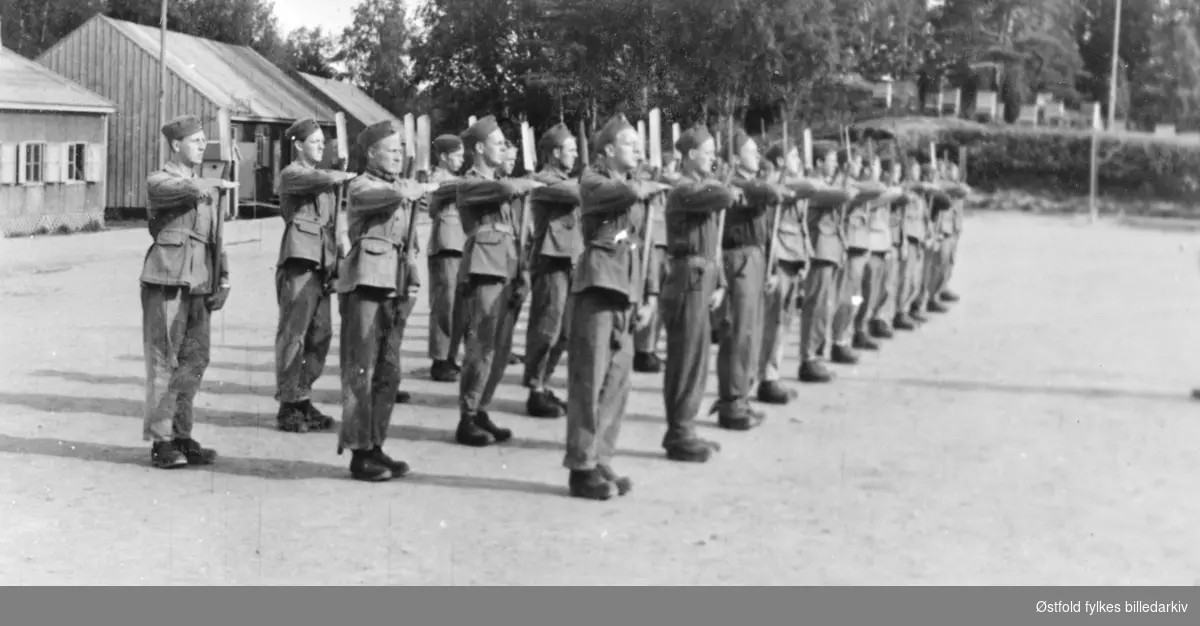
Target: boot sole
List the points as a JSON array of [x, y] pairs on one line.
[[368, 478], [167, 466]]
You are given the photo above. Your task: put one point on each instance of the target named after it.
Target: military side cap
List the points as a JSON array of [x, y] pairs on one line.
[[778, 151], [372, 134], [612, 128], [822, 148], [182, 126], [693, 138], [301, 129], [479, 131], [554, 137], [445, 144]]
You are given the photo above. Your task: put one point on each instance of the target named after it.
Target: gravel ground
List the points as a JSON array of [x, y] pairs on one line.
[[1040, 433]]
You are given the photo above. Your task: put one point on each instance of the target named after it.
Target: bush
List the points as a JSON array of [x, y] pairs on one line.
[[1003, 156]]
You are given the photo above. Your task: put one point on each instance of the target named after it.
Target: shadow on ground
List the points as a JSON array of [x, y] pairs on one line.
[[273, 469]]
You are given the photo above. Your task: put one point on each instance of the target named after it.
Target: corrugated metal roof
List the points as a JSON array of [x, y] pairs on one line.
[[31, 86], [354, 101], [235, 77]]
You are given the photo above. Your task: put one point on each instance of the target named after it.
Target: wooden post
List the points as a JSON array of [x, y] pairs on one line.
[[1112, 89], [1095, 177]]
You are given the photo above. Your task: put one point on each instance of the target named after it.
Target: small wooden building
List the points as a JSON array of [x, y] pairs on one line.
[[214, 81], [52, 147], [360, 109]]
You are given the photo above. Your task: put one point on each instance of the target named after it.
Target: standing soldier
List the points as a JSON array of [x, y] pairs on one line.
[[604, 311], [490, 273], [856, 223], [445, 255], [304, 277], [695, 286], [786, 284], [882, 303], [744, 258], [378, 286], [556, 246], [941, 208], [879, 245], [825, 232], [185, 277], [645, 358], [916, 229], [958, 192]]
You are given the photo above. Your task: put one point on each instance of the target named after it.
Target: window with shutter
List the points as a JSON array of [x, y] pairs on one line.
[[35, 162], [93, 163], [8, 163], [75, 162]]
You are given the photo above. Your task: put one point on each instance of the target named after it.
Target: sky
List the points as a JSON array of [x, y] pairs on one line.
[[331, 15]]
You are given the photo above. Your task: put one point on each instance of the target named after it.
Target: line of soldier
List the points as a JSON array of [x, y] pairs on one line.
[[700, 251]]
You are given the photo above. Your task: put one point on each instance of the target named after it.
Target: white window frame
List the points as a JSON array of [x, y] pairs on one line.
[[25, 167], [75, 162]]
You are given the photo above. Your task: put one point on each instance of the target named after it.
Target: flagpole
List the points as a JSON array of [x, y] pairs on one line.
[[162, 80]]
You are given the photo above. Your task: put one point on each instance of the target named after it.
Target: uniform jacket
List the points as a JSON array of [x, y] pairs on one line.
[[378, 215], [183, 224], [446, 229], [307, 196], [792, 236], [555, 213], [610, 219], [691, 215], [747, 222], [915, 216], [825, 230], [490, 220]]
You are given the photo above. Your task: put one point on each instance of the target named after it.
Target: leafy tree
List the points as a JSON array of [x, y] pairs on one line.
[[310, 50], [376, 49]]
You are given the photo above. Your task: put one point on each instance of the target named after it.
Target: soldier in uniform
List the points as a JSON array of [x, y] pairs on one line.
[[881, 304], [556, 245], [941, 208], [445, 255], [744, 258], [785, 286], [916, 229], [879, 245], [955, 177], [645, 358], [825, 232], [183, 281], [605, 310], [492, 282], [509, 325], [304, 277], [695, 286], [378, 286], [853, 268]]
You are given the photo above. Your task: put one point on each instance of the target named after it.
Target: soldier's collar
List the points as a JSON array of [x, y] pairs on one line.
[[378, 173], [179, 169]]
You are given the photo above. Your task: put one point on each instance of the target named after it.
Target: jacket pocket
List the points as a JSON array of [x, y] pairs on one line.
[[167, 260], [560, 237], [304, 241], [491, 254]]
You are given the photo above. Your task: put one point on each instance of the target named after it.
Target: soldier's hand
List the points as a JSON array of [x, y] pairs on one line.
[[348, 176], [344, 247], [217, 300], [773, 283], [717, 297], [646, 312], [227, 184], [413, 292]]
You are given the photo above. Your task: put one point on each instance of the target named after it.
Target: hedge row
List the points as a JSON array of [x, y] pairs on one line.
[[1000, 156]]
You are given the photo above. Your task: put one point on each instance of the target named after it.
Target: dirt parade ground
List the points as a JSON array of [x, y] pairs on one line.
[[1039, 434]]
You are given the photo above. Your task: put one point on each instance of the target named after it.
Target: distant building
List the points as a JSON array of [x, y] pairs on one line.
[[52, 149], [120, 60]]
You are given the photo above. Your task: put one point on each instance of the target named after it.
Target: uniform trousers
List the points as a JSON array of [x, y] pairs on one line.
[[684, 309], [304, 332], [175, 341], [373, 322], [599, 361]]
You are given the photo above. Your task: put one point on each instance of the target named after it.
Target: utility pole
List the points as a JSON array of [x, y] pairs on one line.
[[162, 81], [1112, 88]]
